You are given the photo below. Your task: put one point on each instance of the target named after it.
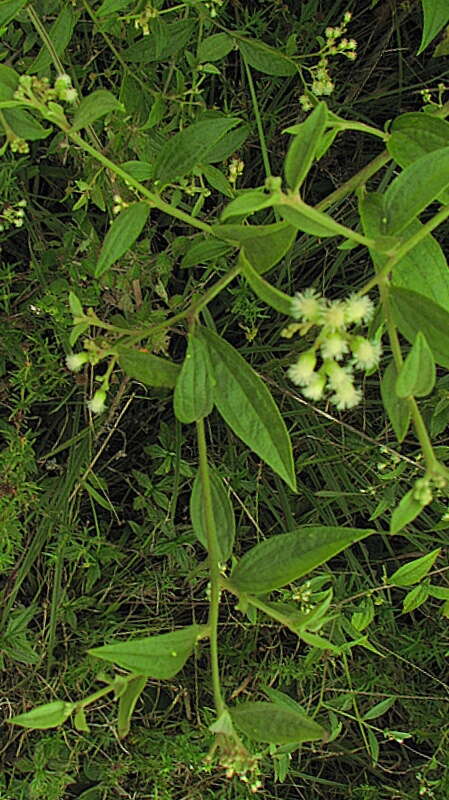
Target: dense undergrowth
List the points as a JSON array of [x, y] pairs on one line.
[[96, 536]]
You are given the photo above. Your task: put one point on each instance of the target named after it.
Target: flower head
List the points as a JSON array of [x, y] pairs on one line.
[[334, 316], [76, 361], [334, 345], [358, 309], [366, 354], [338, 376], [346, 396], [301, 372], [307, 306], [98, 402], [314, 389]]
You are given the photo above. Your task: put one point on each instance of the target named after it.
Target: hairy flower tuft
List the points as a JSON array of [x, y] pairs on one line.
[[366, 354], [334, 316], [346, 396], [76, 361], [301, 372], [307, 306], [98, 402], [334, 345], [314, 389], [358, 309]]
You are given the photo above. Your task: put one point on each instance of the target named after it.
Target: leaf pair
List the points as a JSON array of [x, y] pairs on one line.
[[215, 373]]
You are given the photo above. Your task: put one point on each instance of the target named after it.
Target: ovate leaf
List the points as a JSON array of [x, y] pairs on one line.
[[147, 368], [269, 722], [302, 150], [413, 313], [49, 715], [215, 47], [203, 251], [398, 410], [222, 511], [154, 656], [415, 598], [309, 220], [247, 202], [121, 235], [408, 273], [436, 16], [408, 509], [248, 408], [269, 294], [194, 392], [417, 376], [190, 147], [93, 107], [148, 48], [415, 570], [413, 190], [264, 245], [266, 59], [380, 708], [127, 703], [288, 556]]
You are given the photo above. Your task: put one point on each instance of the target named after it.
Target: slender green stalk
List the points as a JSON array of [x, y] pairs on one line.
[[214, 571], [418, 422], [260, 130]]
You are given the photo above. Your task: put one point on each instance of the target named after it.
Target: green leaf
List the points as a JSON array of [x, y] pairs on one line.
[[230, 143], [147, 368], [436, 16], [9, 81], [266, 59], [373, 745], [60, 34], [380, 708], [109, 6], [127, 703], [49, 715], [8, 10], [80, 721], [286, 557], [140, 170], [269, 294], [310, 220], [408, 273], [217, 179], [148, 48], [415, 570], [188, 148], [215, 47], [248, 408], [75, 305], [302, 150], [269, 722], [398, 410], [93, 107], [413, 313], [417, 376], [415, 598], [408, 509], [247, 202], [194, 392], [154, 656], [24, 125], [222, 511], [364, 615], [264, 245], [121, 235], [412, 191], [203, 251], [413, 135], [78, 331]]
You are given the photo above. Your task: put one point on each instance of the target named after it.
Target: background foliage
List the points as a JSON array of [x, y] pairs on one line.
[[97, 539]]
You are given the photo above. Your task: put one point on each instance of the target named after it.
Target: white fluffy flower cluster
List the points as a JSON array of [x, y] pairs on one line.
[[334, 342]]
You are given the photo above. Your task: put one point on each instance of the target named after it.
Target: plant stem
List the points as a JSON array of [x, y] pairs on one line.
[[418, 422], [214, 571], [154, 199]]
